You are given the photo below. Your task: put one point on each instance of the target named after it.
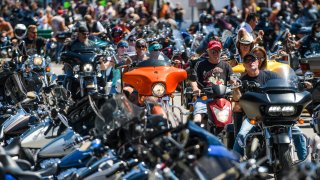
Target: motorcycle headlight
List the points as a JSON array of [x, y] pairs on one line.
[[76, 68], [158, 89], [288, 110], [37, 60], [87, 68], [222, 114], [281, 110]]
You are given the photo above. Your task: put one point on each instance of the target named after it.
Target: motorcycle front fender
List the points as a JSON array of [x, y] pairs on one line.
[[282, 138]]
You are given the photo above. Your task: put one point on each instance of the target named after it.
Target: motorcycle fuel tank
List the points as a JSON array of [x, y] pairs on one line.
[[16, 123], [60, 146], [36, 137]]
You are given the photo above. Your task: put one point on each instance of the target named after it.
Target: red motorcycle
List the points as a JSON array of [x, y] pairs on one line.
[[219, 109]]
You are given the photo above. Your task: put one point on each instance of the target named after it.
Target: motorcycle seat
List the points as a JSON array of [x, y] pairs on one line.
[[14, 147]]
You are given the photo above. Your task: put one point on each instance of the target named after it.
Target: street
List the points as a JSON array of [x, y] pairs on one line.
[[306, 129]]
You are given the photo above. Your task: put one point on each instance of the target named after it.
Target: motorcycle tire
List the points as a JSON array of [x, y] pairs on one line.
[[285, 159]]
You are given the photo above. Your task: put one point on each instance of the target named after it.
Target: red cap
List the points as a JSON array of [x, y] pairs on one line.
[[214, 45], [60, 11]]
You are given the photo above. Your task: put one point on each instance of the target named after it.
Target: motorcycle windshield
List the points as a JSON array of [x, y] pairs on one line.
[[117, 112], [153, 63], [78, 58], [287, 79]]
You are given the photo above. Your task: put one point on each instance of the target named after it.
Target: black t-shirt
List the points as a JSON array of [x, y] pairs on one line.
[[262, 78], [207, 73], [178, 14], [33, 46]]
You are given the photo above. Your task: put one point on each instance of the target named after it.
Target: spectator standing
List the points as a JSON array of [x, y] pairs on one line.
[[95, 27], [178, 14], [58, 23], [6, 27]]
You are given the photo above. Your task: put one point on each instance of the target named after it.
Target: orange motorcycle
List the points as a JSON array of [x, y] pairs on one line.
[[155, 81]]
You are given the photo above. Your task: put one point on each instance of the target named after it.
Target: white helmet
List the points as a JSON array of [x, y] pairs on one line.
[[20, 31]]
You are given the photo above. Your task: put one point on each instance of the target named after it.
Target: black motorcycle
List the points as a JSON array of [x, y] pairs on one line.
[[273, 108], [84, 80]]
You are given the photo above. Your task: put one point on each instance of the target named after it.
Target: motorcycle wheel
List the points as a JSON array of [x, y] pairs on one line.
[[285, 159]]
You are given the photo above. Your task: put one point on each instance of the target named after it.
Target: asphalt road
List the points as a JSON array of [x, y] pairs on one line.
[[306, 129]]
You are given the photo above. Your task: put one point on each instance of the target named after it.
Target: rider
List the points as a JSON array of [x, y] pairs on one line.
[[253, 73], [82, 43], [310, 42], [208, 70], [32, 43], [141, 51], [95, 27]]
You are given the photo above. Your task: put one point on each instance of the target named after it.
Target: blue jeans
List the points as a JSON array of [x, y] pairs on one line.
[[246, 128], [200, 106]]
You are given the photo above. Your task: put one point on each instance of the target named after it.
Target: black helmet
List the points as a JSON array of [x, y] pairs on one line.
[[20, 31]]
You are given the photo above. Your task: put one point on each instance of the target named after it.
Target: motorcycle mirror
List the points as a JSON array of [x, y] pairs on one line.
[[308, 75]]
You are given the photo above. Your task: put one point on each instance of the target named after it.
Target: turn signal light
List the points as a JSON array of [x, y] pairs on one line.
[[48, 69], [301, 121], [204, 98], [141, 100], [253, 122]]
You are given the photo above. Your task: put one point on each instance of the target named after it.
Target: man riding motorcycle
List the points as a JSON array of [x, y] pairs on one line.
[[310, 42], [211, 67], [253, 73]]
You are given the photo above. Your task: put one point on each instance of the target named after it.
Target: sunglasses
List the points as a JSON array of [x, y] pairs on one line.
[[246, 45], [85, 34], [249, 59], [261, 58], [35, 32], [215, 51], [132, 40], [141, 47]]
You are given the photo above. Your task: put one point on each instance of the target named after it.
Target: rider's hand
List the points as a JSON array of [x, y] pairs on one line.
[[308, 85], [196, 92], [14, 41], [261, 33], [236, 94]]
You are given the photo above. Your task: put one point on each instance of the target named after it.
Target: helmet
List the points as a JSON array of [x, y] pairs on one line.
[[117, 34], [20, 31]]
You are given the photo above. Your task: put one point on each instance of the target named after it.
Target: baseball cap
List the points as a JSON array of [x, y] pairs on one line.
[[60, 11], [155, 46], [249, 58], [214, 45], [122, 44], [141, 42], [83, 29]]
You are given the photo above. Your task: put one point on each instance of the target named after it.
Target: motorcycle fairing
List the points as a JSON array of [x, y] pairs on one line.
[[143, 78], [222, 106]]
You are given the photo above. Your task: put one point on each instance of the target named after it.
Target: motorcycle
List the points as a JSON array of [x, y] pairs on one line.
[[83, 70], [219, 108], [273, 108], [54, 47], [154, 78]]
